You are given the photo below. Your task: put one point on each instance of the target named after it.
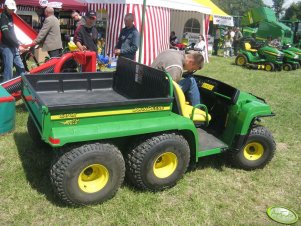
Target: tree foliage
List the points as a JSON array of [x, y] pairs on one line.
[[278, 7], [238, 7], [293, 12]]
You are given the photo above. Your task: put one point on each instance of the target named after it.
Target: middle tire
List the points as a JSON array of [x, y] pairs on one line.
[[158, 162]]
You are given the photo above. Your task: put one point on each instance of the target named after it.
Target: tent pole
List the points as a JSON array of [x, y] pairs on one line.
[[142, 31]]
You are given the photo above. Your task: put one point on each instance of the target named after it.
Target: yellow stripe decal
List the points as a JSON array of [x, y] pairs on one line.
[[271, 53], [108, 113]]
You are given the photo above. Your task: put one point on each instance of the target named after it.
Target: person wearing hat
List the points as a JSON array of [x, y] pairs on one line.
[[50, 34], [85, 36], [128, 41], [10, 45]]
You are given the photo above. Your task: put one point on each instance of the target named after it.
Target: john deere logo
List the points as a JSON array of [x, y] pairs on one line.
[[282, 215]]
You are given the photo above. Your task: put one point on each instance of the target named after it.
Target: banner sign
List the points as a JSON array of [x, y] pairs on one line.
[[45, 3], [223, 20]]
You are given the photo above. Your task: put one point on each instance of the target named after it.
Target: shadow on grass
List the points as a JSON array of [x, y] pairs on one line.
[[36, 163], [217, 162]]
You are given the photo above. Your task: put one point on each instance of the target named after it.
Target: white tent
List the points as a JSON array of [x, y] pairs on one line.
[[157, 21]]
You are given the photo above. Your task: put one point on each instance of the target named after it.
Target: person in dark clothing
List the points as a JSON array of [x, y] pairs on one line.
[[217, 37], [86, 34], [128, 41], [10, 46]]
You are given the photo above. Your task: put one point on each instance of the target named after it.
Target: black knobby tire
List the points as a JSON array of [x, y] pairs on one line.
[[241, 60], [269, 66], [34, 133], [142, 161], [258, 150], [102, 161]]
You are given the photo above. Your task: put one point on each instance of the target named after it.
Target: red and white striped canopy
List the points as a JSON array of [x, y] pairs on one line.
[[157, 22]]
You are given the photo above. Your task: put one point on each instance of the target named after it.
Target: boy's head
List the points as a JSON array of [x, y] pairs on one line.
[[193, 62]]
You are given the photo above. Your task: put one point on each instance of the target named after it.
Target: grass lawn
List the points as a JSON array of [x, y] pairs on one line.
[[213, 194]]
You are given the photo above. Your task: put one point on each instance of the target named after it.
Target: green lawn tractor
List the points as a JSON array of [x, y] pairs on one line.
[[265, 58], [136, 123], [294, 50], [291, 61]]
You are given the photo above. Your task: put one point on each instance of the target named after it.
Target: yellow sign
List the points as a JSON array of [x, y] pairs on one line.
[[207, 86]]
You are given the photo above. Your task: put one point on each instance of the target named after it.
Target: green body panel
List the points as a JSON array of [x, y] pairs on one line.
[[241, 116], [290, 57], [106, 127], [296, 51], [274, 29], [264, 22], [7, 112], [256, 15]]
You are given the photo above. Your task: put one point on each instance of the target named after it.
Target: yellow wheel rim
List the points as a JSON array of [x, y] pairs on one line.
[[241, 61], [93, 178], [253, 151], [268, 67], [165, 165]]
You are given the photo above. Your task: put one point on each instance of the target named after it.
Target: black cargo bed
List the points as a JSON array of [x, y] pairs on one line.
[[100, 89]]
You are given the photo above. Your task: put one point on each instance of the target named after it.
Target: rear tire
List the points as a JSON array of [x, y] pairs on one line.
[[287, 67], [158, 162], [88, 174], [258, 150], [241, 60]]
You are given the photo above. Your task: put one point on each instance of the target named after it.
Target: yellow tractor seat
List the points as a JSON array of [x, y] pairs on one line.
[[248, 47], [186, 109]]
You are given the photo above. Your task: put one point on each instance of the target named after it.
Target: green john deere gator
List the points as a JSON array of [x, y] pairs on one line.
[[135, 122]]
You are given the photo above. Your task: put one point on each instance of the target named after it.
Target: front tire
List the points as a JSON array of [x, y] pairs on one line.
[[158, 162], [258, 150], [88, 174]]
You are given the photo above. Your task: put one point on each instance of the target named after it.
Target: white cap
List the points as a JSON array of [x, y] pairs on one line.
[[11, 4]]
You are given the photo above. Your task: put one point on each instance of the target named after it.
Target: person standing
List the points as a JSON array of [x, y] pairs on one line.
[[237, 37], [76, 17], [227, 45], [232, 34], [128, 41], [86, 35], [9, 43], [217, 37], [181, 66], [50, 34]]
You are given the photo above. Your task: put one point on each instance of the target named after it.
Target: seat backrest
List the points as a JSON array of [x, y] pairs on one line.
[[247, 46], [180, 97], [138, 81]]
